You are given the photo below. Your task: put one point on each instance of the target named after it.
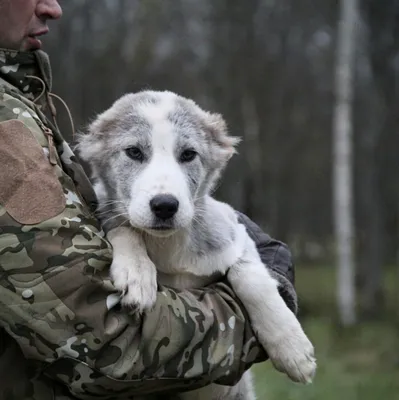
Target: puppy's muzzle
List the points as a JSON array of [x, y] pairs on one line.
[[164, 206]]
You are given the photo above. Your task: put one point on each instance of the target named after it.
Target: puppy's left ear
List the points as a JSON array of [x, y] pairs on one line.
[[226, 145]]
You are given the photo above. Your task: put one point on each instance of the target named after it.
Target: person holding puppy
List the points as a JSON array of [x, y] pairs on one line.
[[63, 333]]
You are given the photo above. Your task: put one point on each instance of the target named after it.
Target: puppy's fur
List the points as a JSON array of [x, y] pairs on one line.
[[155, 158]]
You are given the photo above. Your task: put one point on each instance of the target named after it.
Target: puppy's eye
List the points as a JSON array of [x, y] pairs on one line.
[[188, 155], [135, 154]]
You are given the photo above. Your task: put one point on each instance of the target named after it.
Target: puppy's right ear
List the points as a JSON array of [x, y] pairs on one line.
[[88, 144]]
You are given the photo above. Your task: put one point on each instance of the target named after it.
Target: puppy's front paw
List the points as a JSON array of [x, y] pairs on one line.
[[136, 278], [293, 354]]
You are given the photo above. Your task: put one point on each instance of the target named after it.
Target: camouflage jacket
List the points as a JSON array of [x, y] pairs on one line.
[[63, 334]]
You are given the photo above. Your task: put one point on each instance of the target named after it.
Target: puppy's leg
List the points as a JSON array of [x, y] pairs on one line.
[[243, 390], [132, 271], [276, 327]]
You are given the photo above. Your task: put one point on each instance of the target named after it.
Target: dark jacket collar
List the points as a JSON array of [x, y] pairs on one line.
[[28, 72]]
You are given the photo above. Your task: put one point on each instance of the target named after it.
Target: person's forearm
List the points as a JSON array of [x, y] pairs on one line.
[[188, 339], [60, 307]]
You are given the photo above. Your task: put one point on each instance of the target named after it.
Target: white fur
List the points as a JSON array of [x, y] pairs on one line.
[[163, 175], [132, 271], [274, 323]]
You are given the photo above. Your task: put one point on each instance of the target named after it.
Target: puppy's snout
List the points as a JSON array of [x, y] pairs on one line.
[[164, 206]]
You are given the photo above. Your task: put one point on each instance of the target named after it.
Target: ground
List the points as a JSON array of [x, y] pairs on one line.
[[357, 364]]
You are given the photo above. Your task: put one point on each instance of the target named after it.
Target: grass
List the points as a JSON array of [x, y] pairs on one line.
[[361, 363]]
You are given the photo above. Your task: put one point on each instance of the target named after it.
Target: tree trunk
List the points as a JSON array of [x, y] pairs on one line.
[[343, 163], [371, 126]]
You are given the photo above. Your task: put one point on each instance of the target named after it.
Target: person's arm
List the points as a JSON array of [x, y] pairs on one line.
[[57, 302]]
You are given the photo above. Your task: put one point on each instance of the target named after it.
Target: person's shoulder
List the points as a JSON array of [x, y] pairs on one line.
[[13, 107]]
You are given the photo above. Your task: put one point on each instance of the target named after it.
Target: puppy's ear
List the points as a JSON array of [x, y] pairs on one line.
[[225, 144], [91, 143], [88, 144]]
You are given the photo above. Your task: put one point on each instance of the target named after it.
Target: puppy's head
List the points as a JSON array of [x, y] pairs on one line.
[[155, 155]]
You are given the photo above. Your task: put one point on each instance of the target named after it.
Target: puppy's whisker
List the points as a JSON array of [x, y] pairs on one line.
[[114, 217], [196, 199], [120, 209], [110, 201], [123, 222]]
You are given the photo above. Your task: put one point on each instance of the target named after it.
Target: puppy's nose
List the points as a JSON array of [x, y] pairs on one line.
[[164, 206]]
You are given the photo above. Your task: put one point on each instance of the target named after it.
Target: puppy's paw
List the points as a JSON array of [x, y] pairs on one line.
[[136, 278], [293, 354]]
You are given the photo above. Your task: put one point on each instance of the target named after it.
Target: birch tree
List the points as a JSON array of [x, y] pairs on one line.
[[343, 161]]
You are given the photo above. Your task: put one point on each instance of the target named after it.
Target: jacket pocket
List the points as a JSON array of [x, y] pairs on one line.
[[29, 188]]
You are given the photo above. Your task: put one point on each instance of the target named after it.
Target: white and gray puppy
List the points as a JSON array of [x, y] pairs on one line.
[[155, 158]]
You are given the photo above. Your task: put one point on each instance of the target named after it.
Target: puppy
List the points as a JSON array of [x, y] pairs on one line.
[[155, 158]]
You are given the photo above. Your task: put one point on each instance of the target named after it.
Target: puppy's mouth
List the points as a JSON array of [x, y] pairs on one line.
[[158, 224], [160, 231], [161, 228]]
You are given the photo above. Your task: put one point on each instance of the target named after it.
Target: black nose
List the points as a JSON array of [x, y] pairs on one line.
[[164, 206]]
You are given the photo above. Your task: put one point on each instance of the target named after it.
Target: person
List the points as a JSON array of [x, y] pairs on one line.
[[63, 332]]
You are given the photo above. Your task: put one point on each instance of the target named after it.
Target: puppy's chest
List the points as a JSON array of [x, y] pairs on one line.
[[174, 259], [182, 266], [179, 269]]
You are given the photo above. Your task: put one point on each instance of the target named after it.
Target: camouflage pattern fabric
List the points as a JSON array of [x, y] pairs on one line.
[[63, 333]]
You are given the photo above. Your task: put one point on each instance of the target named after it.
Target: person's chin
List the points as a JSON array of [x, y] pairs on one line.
[[31, 44]]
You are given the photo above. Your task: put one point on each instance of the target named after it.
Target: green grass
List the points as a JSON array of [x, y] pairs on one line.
[[361, 363]]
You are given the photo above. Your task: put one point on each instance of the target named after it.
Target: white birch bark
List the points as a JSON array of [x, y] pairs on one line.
[[343, 163]]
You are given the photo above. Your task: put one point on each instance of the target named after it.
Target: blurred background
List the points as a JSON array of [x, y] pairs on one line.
[[281, 72]]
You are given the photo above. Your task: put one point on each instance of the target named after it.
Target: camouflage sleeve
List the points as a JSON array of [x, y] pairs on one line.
[[57, 301]]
